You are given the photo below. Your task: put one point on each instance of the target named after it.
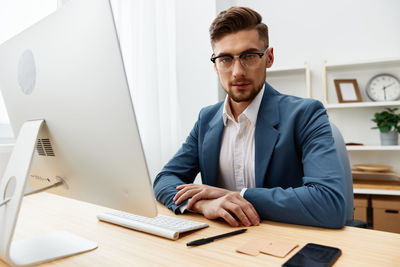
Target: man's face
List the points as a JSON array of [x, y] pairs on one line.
[[242, 84]]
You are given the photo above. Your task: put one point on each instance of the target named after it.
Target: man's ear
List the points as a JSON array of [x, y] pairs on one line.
[[270, 57]]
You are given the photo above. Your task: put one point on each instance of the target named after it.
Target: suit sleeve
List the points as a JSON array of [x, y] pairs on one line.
[[320, 200], [181, 169]]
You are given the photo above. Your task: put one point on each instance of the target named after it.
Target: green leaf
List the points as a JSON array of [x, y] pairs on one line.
[[384, 129], [386, 120]]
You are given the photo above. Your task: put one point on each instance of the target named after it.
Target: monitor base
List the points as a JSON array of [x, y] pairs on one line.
[[38, 249], [48, 247]]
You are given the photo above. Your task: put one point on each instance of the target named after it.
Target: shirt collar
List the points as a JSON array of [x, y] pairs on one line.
[[250, 112], [227, 113]]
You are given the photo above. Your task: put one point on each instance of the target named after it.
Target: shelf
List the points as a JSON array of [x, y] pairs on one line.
[[376, 188], [363, 191], [362, 105], [360, 64], [379, 176], [373, 148], [281, 73], [287, 71]]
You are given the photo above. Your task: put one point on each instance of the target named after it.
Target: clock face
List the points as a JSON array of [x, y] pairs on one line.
[[383, 87]]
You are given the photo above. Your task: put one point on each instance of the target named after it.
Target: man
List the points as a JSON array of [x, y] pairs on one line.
[[261, 154]]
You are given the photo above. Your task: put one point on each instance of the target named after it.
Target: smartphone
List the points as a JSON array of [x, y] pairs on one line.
[[314, 255]]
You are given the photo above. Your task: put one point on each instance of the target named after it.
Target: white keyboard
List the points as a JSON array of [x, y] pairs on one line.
[[165, 226]]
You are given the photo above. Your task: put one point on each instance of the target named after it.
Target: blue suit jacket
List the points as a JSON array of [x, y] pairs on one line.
[[299, 176]]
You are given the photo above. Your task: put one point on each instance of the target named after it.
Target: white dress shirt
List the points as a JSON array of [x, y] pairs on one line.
[[236, 157]]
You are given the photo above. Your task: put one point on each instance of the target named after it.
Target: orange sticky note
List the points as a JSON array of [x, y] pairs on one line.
[[270, 247], [252, 247], [278, 248]]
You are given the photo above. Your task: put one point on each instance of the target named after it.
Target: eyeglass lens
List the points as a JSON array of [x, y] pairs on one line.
[[248, 60]]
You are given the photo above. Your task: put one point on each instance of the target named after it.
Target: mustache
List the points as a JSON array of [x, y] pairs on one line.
[[240, 81]]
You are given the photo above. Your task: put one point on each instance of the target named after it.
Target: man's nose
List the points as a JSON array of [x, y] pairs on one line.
[[237, 69]]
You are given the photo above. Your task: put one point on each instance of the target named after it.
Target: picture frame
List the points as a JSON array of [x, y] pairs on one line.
[[347, 91]]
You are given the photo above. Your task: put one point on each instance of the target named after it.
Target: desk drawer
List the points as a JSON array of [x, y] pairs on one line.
[[386, 213]]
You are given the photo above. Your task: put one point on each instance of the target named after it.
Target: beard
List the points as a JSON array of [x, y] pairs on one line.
[[245, 96], [242, 97]]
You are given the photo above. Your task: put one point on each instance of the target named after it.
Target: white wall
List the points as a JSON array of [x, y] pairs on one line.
[[336, 31], [197, 82], [15, 16]]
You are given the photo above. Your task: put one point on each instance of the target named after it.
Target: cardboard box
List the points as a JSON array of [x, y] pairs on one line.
[[360, 207], [386, 213]]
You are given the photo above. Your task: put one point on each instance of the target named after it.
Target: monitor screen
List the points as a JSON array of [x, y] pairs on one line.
[[68, 70]]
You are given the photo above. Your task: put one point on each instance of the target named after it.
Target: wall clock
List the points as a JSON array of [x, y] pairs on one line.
[[383, 87]]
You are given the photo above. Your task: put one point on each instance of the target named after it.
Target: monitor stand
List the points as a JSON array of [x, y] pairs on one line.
[[37, 249]]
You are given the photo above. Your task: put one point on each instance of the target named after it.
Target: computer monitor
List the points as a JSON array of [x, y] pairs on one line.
[[68, 71]]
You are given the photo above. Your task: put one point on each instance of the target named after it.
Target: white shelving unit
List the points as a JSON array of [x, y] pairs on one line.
[[355, 119], [293, 81], [361, 70], [362, 105], [373, 148], [376, 192]]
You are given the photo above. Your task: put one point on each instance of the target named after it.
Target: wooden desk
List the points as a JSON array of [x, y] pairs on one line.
[[372, 187], [118, 246]]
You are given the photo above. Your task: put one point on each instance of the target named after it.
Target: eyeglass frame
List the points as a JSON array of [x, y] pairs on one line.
[[260, 54]]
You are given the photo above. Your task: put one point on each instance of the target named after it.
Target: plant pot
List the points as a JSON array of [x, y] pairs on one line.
[[389, 138]]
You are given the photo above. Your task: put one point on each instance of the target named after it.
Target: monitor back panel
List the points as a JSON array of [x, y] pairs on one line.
[[67, 69]]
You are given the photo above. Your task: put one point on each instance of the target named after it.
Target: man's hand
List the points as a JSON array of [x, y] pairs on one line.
[[232, 207], [197, 192]]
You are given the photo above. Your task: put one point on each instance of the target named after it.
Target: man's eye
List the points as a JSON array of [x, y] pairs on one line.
[[224, 60], [249, 56]]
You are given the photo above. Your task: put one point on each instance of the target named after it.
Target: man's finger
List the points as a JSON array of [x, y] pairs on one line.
[[236, 210], [251, 213], [194, 199], [187, 194], [181, 192], [228, 218], [179, 187], [248, 209], [183, 188]]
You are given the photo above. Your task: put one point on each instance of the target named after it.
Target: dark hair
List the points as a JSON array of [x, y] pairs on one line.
[[236, 19]]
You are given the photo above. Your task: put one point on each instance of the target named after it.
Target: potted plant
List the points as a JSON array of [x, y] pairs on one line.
[[388, 124]]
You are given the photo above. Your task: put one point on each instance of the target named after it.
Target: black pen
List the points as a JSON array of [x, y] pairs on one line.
[[212, 238]]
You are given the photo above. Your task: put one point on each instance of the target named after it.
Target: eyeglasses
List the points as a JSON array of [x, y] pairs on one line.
[[247, 59]]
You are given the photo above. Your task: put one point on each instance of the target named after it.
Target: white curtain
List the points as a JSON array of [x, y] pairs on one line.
[[147, 33]]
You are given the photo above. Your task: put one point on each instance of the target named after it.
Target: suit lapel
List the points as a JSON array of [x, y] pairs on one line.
[[211, 149], [266, 135]]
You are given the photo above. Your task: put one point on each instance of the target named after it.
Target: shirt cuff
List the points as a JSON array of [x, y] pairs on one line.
[[183, 207], [242, 192]]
